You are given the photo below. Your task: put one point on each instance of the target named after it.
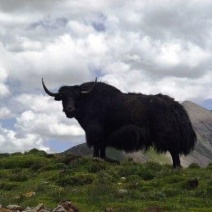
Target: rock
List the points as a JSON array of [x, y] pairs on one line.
[[108, 210], [39, 207], [15, 208], [123, 179], [122, 191], [192, 183], [59, 208], [30, 194], [64, 206], [27, 208], [69, 207]]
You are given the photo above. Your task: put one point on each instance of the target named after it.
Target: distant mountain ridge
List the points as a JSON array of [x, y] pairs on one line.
[[201, 119]]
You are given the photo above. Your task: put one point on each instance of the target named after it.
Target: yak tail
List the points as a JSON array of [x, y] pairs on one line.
[[171, 128], [188, 135], [189, 140]]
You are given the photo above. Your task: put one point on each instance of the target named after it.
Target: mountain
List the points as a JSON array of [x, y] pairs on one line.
[[201, 119]]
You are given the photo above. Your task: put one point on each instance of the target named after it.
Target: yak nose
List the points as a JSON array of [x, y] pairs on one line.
[[70, 109]]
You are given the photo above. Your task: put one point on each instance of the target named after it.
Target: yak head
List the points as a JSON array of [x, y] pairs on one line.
[[68, 95]]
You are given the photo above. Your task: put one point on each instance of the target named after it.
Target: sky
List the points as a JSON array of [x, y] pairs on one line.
[[148, 46]]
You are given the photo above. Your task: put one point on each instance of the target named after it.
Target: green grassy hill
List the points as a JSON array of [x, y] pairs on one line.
[[94, 185]]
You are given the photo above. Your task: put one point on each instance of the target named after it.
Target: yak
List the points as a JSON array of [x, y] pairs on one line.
[[127, 121]]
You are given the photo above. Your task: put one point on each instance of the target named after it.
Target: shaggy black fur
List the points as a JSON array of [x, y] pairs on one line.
[[130, 121]]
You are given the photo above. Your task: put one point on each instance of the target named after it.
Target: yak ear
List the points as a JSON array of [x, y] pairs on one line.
[[58, 98]]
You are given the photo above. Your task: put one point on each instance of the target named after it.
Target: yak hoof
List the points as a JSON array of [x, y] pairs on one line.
[[97, 159], [178, 167]]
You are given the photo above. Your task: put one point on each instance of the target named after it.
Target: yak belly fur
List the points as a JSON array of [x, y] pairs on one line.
[[129, 138]]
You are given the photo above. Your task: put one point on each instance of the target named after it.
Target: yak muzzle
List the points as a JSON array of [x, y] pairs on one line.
[[70, 109]]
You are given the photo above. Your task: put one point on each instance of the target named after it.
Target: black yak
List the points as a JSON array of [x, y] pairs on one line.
[[127, 121]]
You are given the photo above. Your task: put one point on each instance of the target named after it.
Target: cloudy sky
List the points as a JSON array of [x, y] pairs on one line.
[[156, 46]]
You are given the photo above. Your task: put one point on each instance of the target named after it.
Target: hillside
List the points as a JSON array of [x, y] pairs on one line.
[[202, 122], [202, 155], [36, 178]]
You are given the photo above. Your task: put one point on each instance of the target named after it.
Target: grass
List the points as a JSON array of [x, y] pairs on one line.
[[94, 185]]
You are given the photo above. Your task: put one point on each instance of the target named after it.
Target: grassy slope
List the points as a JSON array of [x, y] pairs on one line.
[[112, 153], [93, 185]]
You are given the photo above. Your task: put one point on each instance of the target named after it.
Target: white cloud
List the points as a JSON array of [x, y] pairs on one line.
[[60, 129], [61, 61], [4, 90], [138, 46], [173, 55], [5, 113], [10, 141], [38, 103], [185, 88], [45, 118], [26, 6]]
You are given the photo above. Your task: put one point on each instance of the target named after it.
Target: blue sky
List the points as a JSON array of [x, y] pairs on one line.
[[157, 46], [207, 104]]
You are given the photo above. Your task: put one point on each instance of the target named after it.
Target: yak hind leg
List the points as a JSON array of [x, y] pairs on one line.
[[102, 153], [175, 159], [95, 152], [99, 152]]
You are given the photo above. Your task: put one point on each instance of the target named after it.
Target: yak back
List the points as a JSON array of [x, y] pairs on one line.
[[100, 88]]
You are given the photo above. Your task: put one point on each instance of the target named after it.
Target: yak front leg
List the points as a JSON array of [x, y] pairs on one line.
[[95, 152], [99, 152], [102, 153], [94, 137]]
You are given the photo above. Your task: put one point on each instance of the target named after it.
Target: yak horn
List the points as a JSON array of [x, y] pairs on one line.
[[47, 91], [86, 92]]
